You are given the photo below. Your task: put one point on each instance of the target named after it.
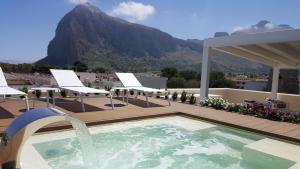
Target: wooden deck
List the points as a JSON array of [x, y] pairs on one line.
[[99, 112]]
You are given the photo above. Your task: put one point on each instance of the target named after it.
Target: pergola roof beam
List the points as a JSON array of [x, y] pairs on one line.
[[246, 55], [261, 52], [295, 45], [258, 38], [284, 50]]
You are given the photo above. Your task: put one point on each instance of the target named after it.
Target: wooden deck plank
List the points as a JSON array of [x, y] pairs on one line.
[[100, 112]]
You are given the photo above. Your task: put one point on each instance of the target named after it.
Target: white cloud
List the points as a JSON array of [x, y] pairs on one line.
[[241, 28], [134, 11], [260, 27], [271, 26], [78, 1]]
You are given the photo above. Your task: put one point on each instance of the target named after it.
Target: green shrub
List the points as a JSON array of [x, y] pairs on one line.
[[117, 92], [107, 88], [89, 84], [166, 97], [183, 97], [23, 89], [50, 93], [63, 93], [38, 93], [175, 96], [192, 99]]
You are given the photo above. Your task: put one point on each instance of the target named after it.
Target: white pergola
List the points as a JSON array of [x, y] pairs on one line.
[[279, 49]]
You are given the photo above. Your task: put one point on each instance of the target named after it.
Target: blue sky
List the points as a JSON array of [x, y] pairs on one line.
[[27, 26]]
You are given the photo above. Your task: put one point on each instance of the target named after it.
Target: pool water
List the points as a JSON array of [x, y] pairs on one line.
[[158, 146]]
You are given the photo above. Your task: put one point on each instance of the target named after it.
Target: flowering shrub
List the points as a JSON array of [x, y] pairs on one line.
[[255, 109], [217, 103]]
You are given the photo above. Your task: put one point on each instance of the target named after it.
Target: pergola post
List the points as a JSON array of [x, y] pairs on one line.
[[275, 81], [205, 72]]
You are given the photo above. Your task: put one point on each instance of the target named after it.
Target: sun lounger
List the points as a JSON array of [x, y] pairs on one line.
[[6, 90], [130, 82], [68, 80]]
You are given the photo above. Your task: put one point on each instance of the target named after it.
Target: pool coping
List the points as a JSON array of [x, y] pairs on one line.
[[136, 119], [184, 114]]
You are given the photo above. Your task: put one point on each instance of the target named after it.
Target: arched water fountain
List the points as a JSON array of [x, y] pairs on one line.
[[28, 123]]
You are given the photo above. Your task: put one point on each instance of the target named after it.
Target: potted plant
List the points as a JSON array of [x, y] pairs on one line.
[[63, 93], [183, 97], [38, 94], [192, 99], [23, 89], [175, 96], [50, 93]]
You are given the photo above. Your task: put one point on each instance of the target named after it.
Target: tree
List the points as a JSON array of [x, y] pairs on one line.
[[169, 72], [192, 84], [176, 82], [217, 80], [99, 70], [199, 76], [80, 66], [188, 74], [42, 68]]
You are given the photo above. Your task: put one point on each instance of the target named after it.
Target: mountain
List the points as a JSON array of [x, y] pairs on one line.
[[262, 26], [91, 36]]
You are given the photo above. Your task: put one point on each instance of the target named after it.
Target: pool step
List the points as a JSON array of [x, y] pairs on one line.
[[272, 154]]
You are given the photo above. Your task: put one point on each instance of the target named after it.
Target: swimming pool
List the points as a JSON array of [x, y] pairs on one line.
[[162, 143]]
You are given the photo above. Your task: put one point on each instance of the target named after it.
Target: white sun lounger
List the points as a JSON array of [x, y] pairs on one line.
[[130, 82], [6, 90], [68, 80]]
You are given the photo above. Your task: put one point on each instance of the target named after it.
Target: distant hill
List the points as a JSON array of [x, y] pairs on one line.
[[91, 36]]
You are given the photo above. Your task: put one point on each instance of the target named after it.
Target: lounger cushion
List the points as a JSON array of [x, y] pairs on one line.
[[66, 78], [147, 89], [128, 80], [2, 78], [10, 91], [85, 90]]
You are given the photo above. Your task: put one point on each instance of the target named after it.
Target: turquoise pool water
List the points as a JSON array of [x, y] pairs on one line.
[[159, 146]]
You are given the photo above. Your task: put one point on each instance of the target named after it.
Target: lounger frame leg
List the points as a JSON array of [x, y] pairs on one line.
[[123, 99], [127, 94], [27, 104], [147, 99], [53, 99], [167, 94], [48, 100], [111, 102], [82, 104]]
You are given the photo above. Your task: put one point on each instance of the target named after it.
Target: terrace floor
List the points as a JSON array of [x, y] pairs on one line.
[[98, 111]]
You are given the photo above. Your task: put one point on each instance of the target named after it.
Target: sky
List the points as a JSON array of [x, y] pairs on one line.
[[27, 26]]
